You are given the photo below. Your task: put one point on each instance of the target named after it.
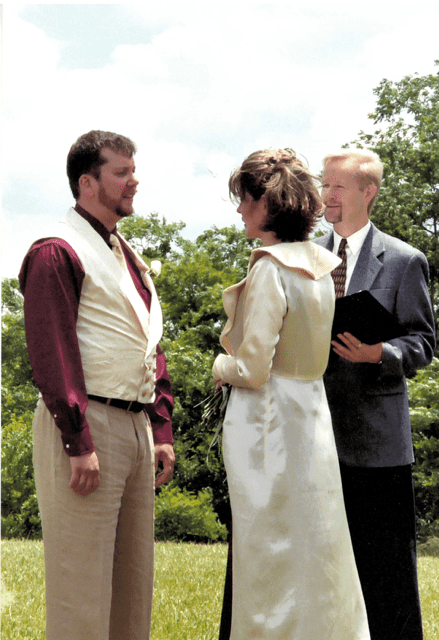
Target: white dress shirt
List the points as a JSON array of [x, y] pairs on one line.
[[353, 248]]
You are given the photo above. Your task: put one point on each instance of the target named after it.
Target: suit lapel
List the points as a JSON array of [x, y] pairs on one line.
[[97, 244], [368, 264], [155, 312], [152, 322]]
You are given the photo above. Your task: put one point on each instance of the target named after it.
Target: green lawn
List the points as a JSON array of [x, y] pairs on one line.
[[188, 590]]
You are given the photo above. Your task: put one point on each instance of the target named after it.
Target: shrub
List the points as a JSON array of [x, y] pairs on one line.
[[183, 516], [20, 515], [424, 415], [188, 513]]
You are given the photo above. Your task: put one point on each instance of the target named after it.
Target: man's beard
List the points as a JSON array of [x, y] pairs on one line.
[[112, 204], [336, 219]]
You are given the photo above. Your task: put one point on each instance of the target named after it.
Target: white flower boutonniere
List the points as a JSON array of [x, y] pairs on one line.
[[155, 269]]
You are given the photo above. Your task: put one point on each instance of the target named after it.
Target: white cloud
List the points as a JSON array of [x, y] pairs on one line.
[[213, 83]]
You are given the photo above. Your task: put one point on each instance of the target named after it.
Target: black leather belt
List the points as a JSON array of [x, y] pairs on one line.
[[126, 405]]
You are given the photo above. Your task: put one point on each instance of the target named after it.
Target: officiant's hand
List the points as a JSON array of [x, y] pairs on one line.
[[354, 350]]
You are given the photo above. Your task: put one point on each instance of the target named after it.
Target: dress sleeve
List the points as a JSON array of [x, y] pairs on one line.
[[265, 306], [51, 279]]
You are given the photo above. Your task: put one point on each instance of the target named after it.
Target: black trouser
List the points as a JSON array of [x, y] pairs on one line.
[[226, 614], [381, 516]]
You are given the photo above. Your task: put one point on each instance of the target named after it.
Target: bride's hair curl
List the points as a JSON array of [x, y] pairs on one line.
[[290, 189]]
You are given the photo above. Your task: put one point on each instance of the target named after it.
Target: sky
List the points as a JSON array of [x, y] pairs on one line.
[[198, 86]]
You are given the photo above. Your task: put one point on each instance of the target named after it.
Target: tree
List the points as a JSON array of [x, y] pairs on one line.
[[18, 392], [408, 144], [152, 238]]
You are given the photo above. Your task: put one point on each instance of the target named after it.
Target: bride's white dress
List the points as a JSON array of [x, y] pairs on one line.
[[294, 574]]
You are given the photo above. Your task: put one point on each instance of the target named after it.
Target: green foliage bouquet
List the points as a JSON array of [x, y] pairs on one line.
[[214, 411]]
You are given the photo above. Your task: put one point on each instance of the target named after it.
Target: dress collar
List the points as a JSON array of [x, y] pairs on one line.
[[308, 258]]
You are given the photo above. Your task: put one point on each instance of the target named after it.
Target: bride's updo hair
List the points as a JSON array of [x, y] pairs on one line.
[[291, 192]]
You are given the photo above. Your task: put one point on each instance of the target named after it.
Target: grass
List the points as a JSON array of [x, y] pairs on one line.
[[428, 567], [188, 590], [187, 598], [23, 599]]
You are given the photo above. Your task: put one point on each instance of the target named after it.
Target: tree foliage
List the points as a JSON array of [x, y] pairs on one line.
[[18, 392], [424, 416], [20, 515], [407, 141]]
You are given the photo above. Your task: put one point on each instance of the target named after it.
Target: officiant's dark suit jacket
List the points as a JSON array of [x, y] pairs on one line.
[[369, 402]]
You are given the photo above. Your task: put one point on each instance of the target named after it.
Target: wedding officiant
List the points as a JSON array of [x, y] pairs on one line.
[[367, 393]]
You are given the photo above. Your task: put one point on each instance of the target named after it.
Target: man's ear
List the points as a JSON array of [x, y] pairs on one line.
[[370, 192], [87, 185]]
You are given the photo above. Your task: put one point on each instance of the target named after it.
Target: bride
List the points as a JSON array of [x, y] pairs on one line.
[[294, 574]]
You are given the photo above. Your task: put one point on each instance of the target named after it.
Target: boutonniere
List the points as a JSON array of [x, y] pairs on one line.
[[215, 406], [155, 268]]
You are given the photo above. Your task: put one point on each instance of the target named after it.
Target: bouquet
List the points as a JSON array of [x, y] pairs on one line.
[[214, 411]]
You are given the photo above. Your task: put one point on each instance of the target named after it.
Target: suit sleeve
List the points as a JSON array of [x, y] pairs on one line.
[[404, 356], [265, 306]]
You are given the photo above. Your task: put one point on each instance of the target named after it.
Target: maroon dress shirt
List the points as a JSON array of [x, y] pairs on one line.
[[51, 280]]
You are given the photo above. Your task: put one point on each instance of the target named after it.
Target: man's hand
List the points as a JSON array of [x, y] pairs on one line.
[[355, 351], [85, 473], [164, 453]]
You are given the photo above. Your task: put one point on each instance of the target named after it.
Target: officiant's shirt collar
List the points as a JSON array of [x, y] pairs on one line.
[[355, 241]]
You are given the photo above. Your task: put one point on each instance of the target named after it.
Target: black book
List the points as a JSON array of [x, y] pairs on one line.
[[365, 318]]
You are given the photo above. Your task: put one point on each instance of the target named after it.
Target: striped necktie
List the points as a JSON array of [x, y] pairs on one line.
[[339, 273]]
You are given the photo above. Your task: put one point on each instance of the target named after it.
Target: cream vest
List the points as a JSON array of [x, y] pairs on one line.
[[117, 345]]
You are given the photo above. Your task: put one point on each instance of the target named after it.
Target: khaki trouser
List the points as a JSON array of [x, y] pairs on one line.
[[99, 549]]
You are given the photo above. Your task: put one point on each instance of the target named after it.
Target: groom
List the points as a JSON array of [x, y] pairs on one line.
[[367, 394]]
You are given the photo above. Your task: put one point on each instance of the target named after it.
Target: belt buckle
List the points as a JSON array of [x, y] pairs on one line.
[[129, 406]]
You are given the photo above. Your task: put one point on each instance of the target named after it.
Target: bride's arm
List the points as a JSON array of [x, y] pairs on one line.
[[264, 309]]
